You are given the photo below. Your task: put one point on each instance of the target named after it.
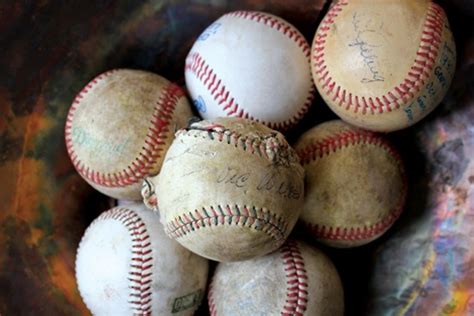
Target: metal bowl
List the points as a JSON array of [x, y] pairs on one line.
[[50, 49]]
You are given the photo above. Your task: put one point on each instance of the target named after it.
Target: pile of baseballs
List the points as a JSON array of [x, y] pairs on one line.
[[230, 188]]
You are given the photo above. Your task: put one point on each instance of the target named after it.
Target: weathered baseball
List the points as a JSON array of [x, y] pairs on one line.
[[229, 189], [119, 127], [126, 265], [296, 280], [383, 65], [253, 65], [355, 184]]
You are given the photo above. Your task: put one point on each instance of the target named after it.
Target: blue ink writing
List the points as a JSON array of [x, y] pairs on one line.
[[211, 30], [82, 138], [200, 104], [439, 74]]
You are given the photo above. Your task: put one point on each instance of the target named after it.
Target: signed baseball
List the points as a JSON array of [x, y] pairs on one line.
[[355, 184], [252, 65], [295, 280], [126, 265], [383, 65], [229, 189], [119, 127]]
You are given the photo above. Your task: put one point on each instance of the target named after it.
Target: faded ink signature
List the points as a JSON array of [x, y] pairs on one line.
[[366, 49], [271, 182], [233, 176]]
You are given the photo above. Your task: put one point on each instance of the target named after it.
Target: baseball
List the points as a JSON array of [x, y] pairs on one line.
[[229, 189], [295, 280], [252, 65], [119, 127], [383, 65], [126, 265], [355, 184]]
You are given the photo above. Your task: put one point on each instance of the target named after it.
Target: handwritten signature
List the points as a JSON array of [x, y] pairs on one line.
[[366, 49], [233, 176], [83, 138], [271, 181]]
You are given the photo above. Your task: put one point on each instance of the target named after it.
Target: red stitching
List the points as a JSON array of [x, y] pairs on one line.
[[196, 64], [269, 147], [153, 143], [140, 274], [279, 25], [260, 219], [296, 280], [343, 139], [400, 94], [210, 299], [252, 217], [339, 141]]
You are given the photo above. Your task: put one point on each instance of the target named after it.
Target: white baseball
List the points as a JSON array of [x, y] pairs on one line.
[[126, 265], [253, 65], [296, 280]]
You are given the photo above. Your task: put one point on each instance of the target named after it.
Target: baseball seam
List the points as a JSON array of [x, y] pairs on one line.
[[296, 280], [210, 298], [268, 147], [151, 150], [140, 275], [415, 79], [196, 64], [339, 141], [275, 23], [259, 219]]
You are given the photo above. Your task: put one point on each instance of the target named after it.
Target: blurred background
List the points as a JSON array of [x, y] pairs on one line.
[[50, 49]]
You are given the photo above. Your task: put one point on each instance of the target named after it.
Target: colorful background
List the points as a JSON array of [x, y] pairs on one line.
[[51, 49]]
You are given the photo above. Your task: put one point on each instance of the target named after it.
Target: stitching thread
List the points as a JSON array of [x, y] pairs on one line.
[[400, 94], [277, 24], [296, 280], [146, 159], [196, 64], [269, 147], [210, 299], [259, 219], [140, 274], [340, 141]]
